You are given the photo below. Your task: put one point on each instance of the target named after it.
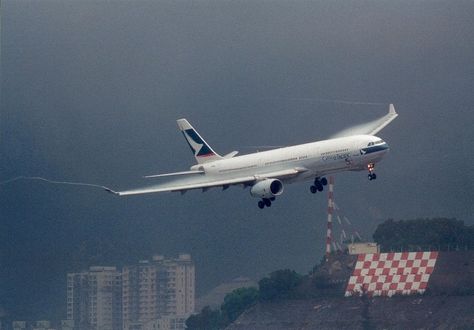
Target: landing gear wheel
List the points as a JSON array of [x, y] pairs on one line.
[[319, 186], [266, 202], [371, 168], [372, 176], [313, 189]]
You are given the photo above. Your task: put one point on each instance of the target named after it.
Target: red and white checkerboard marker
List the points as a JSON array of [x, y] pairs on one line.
[[386, 274]]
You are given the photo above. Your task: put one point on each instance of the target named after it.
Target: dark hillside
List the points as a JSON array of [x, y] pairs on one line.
[[453, 274], [410, 312], [447, 303]]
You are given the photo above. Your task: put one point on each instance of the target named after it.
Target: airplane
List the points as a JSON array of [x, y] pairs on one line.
[[266, 172]]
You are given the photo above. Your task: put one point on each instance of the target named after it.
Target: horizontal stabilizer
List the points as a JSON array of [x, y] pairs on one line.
[[230, 154], [174, 174]]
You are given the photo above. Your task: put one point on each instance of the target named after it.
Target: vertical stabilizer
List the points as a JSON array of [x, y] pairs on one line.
[[201, 150]]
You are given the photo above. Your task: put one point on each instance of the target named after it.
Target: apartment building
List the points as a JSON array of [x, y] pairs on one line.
[[157, 289], [94, 299], [152, 294]]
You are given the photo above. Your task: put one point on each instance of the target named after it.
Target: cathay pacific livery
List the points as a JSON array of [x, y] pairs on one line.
[[266, 172]]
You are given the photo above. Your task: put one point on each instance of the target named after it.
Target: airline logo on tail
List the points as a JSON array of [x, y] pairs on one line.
[[197, 145], [201, 150]]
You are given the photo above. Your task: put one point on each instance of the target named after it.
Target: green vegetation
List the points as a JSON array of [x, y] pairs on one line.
[[278, 285], [235, 303], [208, 319], [424, 234]]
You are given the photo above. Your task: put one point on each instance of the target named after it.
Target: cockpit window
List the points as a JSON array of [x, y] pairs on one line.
[[375, 143]]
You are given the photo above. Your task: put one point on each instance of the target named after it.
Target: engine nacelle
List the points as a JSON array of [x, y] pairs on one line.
[[267, 188]]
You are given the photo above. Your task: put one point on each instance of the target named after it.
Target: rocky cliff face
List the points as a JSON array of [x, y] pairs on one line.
[[447, 304]]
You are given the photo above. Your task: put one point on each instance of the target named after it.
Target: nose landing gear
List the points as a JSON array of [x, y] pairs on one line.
[[371, 175], [319, 184]]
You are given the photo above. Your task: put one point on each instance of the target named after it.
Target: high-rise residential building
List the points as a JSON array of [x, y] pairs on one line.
[[181, 284], [166, 323], [94, 299], [157, 289], [42, 325], [152, 294]]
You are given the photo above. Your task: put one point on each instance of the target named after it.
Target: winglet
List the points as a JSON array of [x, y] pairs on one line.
[[111, 191], [384, 121], [370, 128], [391, 110]]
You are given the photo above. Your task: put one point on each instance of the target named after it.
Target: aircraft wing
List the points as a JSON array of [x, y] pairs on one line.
[[205, 183], [372, 127]]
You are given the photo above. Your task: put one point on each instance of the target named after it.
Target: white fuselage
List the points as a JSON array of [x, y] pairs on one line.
[[320, 158], [265, 172]]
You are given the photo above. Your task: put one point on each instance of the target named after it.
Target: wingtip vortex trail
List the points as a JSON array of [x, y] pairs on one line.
[[37, 178]]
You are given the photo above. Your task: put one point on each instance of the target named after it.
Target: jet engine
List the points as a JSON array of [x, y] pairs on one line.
[[267, 188]]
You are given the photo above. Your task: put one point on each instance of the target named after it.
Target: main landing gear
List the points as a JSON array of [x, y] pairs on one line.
[[371, 175], [266, 202], [319, 184]]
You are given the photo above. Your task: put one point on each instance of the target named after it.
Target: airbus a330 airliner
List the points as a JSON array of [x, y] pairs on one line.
[[266, 172]]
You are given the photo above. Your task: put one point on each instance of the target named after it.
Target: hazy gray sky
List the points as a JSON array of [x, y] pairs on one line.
[[91, 91]]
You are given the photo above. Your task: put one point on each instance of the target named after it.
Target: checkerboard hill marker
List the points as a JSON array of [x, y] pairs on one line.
[[387, 274]]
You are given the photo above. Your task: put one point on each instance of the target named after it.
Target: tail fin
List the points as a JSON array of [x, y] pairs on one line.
[[201, 150]]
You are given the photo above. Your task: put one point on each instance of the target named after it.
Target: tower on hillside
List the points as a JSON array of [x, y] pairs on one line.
[[330, 212]]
